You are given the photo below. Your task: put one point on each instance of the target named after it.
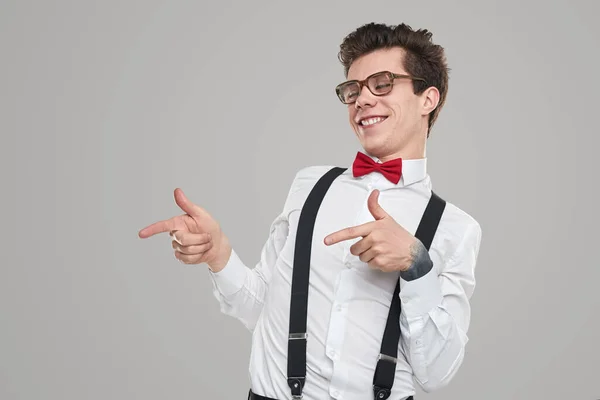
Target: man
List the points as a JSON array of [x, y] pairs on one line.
[[363, 243]]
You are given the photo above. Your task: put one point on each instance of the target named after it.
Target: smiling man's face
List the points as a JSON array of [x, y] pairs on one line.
[[395, 124]]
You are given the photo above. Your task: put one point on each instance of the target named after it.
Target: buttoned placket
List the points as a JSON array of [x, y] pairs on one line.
[[344, 290]]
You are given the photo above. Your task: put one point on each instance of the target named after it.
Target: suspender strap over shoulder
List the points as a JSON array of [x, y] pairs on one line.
[[300, 278], [386, 362], [383, 379]]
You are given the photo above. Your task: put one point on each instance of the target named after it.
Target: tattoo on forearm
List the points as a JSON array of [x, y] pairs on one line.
[[421, 263]]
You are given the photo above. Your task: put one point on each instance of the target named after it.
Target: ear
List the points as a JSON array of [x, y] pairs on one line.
[[430, 99]]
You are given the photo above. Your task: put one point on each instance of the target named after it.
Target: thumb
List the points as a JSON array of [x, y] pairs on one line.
[[186, 205], [376, 210]]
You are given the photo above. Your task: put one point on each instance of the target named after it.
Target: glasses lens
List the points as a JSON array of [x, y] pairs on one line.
[[348, 92], [380, 83]]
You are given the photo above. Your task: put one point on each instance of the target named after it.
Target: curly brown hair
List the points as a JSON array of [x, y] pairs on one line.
[[422, 58]]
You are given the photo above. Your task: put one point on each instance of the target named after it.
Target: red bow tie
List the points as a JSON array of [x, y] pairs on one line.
[[364, 164]]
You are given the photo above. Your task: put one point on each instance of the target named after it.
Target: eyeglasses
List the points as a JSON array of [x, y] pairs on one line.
[[380, 83]]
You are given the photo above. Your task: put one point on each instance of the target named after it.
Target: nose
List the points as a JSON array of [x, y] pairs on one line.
[[365, 98]]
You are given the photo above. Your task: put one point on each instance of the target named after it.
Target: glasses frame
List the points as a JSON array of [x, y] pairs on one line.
[[364, 82]]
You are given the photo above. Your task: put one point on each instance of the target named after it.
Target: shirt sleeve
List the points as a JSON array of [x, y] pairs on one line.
[[436, 314], [241, 290]]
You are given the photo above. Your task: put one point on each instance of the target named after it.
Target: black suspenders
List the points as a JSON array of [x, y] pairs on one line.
[[386, 364], [301, 271]]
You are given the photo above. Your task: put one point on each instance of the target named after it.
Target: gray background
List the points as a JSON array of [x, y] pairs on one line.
[[107, 107]]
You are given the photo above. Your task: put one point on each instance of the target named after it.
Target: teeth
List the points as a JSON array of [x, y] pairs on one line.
[[371, 121]]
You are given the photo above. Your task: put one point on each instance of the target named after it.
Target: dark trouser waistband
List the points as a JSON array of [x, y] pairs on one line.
[[252, 396]]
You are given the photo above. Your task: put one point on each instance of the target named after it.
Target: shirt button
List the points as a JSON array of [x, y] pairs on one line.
[[335, 394], [338, 307]]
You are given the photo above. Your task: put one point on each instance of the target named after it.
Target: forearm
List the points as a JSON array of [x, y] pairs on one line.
[[433, 339], [239, 290], [434, 344]]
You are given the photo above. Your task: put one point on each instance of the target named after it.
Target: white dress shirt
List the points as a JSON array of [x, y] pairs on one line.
[[348, 301]]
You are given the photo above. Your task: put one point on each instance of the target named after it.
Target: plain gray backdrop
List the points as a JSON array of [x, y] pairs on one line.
[[107, 107]]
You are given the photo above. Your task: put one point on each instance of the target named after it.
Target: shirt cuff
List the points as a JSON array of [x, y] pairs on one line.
[[419, 296], [231, 278]]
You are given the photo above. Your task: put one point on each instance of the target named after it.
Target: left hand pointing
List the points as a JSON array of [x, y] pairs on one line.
[[385, 245]]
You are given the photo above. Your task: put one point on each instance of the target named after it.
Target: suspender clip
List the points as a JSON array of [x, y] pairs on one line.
[[298, 336], [296, 384], [381, 393], [385, 357]]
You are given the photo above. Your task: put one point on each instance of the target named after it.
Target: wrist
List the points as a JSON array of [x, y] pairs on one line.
[[223, 255], [420, 264]]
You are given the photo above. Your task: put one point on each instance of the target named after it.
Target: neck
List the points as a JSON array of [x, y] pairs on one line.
[[411, 151]]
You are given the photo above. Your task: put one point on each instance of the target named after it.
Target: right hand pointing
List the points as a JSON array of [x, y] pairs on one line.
[[197, 235]]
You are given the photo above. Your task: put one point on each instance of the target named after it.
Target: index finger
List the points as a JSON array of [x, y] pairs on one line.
[[348, 233], [166, 225]]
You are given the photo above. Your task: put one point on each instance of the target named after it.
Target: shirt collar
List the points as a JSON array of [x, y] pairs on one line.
[[413, 170]]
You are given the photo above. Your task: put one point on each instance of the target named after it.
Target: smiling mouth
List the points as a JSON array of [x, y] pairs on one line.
[[368, 122]]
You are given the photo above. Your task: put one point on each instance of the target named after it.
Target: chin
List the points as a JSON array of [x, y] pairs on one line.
[[374, 148], [373, 137]]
